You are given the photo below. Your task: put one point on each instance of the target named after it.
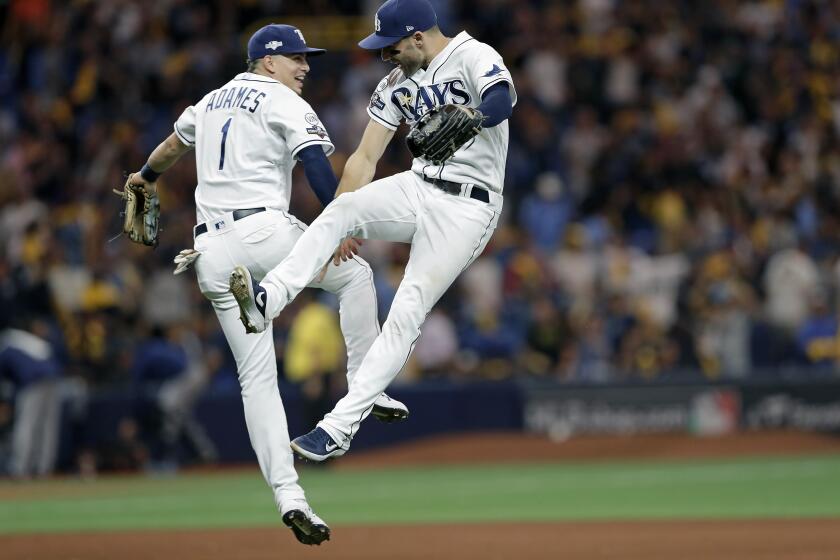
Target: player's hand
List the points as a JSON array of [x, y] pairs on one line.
[[137, 180], [347, 249]]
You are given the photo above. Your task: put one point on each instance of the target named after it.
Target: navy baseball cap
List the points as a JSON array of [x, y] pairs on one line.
[[396, 19], [277, 38]]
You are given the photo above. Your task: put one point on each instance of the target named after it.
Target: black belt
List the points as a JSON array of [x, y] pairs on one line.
[[455, 188], [237, 215]]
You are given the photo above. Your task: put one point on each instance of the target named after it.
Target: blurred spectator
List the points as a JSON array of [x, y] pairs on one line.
[[791, 281], [589, 358], [545, 212], [722, 302], [177, 399], [575, 267], [314, 356], [169, 373], [436, 349], [125, 452], [547, 335], [582, 144], [646, 351], [817, 338], [28, 360]]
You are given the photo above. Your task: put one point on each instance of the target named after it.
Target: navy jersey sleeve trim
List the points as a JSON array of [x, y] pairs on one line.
[[383, 122], [182, 138], [494, 82], [303, 145]]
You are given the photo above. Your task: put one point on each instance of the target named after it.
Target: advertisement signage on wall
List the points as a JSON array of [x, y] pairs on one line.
[[562, 413]]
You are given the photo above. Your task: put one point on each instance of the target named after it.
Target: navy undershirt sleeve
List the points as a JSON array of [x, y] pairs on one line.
[[319, 173], [496, 104]]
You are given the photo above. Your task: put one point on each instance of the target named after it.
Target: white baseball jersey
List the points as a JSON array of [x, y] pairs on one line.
[[268, 123], [246, 136], [447, 230], [459, 74]]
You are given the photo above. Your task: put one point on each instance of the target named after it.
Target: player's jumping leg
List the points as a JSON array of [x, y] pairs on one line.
[[429, 274], [352, 282], [265, 418], [384, 209]]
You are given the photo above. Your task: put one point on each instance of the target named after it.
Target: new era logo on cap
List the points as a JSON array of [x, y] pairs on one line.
[[273, 45], [396, 19]]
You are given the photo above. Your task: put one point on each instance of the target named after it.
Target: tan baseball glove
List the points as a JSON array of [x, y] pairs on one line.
[[141, 216]]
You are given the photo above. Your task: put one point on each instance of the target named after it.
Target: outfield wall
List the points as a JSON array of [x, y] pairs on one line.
[[560, 411]]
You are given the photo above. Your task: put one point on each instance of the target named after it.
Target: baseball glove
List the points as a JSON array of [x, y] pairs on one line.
[[442, 131], [141, 215]]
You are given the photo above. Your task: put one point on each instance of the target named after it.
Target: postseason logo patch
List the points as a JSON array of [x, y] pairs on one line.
[[315, 127], [376, 101]]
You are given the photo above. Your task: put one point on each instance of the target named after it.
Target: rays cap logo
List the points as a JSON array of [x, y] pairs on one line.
[[277, 38], [397, 19]]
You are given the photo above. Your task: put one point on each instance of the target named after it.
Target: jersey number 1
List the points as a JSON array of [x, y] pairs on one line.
[[224, 137]]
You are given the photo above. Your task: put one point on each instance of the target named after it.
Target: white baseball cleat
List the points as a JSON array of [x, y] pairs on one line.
[[251, 299], [386, 409], [307, 527]]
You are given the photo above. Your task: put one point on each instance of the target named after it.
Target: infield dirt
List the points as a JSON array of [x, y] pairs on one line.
[[813, 539]]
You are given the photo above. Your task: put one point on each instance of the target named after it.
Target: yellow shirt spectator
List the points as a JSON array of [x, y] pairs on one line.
[[315, 344]]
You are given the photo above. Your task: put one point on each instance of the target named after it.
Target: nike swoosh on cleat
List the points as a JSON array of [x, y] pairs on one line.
[[331, 446]]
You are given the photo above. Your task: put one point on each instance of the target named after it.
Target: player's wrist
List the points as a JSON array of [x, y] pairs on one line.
[[148, 174]]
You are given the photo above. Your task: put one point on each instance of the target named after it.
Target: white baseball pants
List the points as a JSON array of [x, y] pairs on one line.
[[259, 242], [36, 429], [447, 233]]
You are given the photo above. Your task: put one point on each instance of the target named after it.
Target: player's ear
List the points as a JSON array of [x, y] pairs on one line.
[[268, 62]]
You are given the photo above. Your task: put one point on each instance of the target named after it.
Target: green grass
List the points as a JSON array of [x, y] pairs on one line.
[[754, 488]]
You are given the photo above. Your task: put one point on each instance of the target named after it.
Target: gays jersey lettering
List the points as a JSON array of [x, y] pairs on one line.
[[460, 74], [246, 136]]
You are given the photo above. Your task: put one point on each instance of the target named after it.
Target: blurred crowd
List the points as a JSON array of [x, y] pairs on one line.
[[672, 197]]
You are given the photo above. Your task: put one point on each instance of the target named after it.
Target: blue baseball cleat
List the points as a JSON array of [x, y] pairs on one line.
[[317, 446]]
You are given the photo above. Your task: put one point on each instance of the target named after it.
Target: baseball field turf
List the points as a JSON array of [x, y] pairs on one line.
[[551, 501]]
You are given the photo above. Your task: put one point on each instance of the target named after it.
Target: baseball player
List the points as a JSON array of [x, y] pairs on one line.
[[248, 135], [447, 211]]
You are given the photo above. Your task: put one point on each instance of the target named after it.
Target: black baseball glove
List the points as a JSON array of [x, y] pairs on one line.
[[141, 214], [442, 131]]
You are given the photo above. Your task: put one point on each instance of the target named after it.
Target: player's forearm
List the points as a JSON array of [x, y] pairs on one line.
[[166, 154], [358, 171], [162, 158]]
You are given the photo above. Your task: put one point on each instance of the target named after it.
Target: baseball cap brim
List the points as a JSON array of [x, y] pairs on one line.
[[374, 42], [309, 50]]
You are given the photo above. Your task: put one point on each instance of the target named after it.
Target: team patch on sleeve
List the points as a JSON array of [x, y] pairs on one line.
[[315, 125], [376, 101], [495, 71]]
